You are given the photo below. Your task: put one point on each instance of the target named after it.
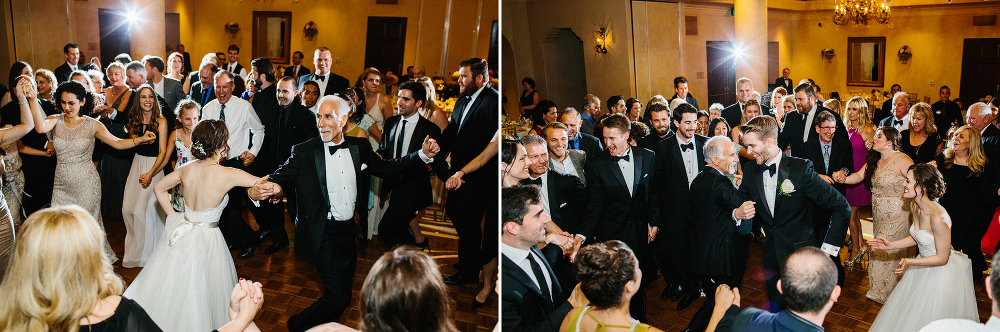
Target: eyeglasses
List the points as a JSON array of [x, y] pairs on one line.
[[828, 128]]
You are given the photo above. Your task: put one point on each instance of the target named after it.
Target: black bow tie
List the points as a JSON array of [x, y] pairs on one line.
[[320, 77], [618, 158], [897, 122], [685, 147], [528, 181], [769, 168], [334, 148]]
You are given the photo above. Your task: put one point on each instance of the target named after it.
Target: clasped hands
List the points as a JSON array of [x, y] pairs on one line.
[[837, 177], [569, 243], [263, 189]]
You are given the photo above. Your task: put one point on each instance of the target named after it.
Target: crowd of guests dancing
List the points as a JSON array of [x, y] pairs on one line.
[[675, 191], [180, 156]]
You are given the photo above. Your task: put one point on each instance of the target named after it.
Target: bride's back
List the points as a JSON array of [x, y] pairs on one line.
[[205, 184]]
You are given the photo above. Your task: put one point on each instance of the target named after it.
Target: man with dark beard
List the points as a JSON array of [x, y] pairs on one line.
[[659, 118]]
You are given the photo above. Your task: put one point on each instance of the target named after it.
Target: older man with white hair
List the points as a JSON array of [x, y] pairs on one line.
[[900, 118], [331, 174], [980, 115]]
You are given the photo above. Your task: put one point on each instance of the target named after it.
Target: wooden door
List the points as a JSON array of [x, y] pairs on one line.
[[980, 69], [116, 35], [385, 44], [721, 73]]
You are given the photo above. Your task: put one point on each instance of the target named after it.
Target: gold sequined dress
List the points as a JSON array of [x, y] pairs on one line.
[[891, 222]]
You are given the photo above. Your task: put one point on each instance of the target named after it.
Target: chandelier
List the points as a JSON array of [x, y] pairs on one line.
[[860, 12]]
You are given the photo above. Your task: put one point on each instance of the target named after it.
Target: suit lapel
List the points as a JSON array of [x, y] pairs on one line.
[[614, 169], [760, 190], [320, 155], [519, 274], [637, 174], [555, 287], [418, 131], [783, 168], [355, 157]]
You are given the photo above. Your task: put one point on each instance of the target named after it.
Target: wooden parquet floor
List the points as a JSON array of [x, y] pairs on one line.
[[291, 284]]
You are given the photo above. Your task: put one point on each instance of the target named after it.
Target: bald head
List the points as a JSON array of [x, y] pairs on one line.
[[808, 279]]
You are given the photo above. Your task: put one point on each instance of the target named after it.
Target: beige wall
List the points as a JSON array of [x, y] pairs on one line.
[[40, 34]]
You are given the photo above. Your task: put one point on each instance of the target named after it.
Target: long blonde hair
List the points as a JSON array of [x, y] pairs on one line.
[[864, 114], [976, 159], [58, 272]]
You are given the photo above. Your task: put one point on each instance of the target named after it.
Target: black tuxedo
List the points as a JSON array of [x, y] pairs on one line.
[[652, 140], [784, 82], [567, 200], [689, 99], [523, 306], [990, 131], [791, 226], [411, 190], [201, 96], [673, 244], [946, 113], [616, 214], [330, 244], [720, 247], [464, 140], [589, 144], [733, 113], [791, 132], [336, 83]]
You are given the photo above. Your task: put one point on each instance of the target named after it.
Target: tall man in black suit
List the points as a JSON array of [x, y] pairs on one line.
[[532, 299], [203, 91], [410, 191], [331, 174], [744, 91], [623, 202], [329, 83], [946, 111], [784, 81], [833, 158], [297, 70], [681, 91], [720, 244], [72, 52], [469, 132], [784, 190], [659, 117], [679, 158], [798, 125], [578, 140]]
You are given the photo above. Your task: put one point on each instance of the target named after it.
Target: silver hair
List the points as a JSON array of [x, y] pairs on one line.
[[984, 109], [95, 75], [905, 96], [716, 106], [657, 99], [208, 58], [675, 102], [532, 139], [340, 106], [137, 67], [713, 147]]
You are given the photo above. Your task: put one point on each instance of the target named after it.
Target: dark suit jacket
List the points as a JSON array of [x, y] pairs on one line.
[[567, 200], [652, 140], [586, 126], [301, 72], [880, 114], [265, 102], [671, 179], [589, 144], [173, 93], [753, 319], [689, 99], [306, 171], [467, 142], [947, 113], [712, 201], [785, 82], [794, 228], [841, 157], [990, 131], [336, 85], [63, 72], [412, 188], [615, 214], [299, 126], [791, 132], [197, 91], [733, 113], [522, 303]]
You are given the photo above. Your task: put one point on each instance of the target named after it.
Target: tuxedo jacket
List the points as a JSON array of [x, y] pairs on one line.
[[615, 214], [579, 160], [785, 82], [712, 201], [567, 198], [791, 132], [197, 92], [336, 85], [990, 131], [305, 170], [63, 72], [652, 140], [412, 187], [467, 141], [299, 126], [881, 113], [671, 178], [297, 73], [589, 144], [689, 99], [522, 303], [734, 113], [791, 226], [265, 102], [841, 157], [887, 122]]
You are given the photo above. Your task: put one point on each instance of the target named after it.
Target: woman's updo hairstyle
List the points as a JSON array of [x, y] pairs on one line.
[[603, 269], [209, 136], [81, 92], [927, 177]]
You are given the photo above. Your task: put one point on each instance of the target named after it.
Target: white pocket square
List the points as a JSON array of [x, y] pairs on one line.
[[363, 166], [562, 205]]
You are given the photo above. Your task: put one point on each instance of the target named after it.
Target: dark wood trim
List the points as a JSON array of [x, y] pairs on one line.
[[286, 52], [881, 61]]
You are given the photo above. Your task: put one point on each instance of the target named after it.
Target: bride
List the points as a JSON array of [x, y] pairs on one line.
[[185, 284], [938, 283]]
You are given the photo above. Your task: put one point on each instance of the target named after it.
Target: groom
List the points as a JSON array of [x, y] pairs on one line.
[[331, 175], [784, 189]]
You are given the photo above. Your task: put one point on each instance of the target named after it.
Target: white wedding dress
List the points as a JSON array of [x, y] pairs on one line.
[[929, 293], [187, 281]]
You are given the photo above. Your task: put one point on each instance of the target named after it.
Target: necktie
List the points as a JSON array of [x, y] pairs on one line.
[[618, 158], [465, 108], [685, 147], [769, 168], [222, 112], [804, 116], [334, 148], [826, 157], [528, 181], [399, 138], [537, 270]]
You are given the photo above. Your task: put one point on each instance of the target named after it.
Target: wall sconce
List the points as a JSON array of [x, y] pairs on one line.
[[310, 30], [904, 53], [602, 41], [232, 27], [828, 54]]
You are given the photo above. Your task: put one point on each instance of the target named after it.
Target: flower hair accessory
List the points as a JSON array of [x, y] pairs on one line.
[[198, 146]]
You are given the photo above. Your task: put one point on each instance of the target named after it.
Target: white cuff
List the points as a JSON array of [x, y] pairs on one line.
[[425, 158], [738, 221], [582, 238], [114, 114], [830, 249]]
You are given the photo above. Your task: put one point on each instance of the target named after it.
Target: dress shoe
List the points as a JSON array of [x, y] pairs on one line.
[[476, 304], [246, 253], [677, 294], [264, 234], [685, 302], [670, 292], [459, 279], [275, 247]]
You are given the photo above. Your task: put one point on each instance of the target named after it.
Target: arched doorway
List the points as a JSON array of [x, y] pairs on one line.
[[510, 86], [565, 74]]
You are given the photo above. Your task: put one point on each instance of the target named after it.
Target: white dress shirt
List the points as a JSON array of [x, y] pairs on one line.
[[341, 182], [322, 84], [232, 68], [900, 127], [690, 159], [411, 124], [965, 325], [158, 87], [241, 121], [771, 182], [72, 66], [628, 170], [564, 167], [521, 257], [807, 127], [543, 193]]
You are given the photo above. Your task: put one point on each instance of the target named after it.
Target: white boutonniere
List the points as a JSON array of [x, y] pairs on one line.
[[787, 188]]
